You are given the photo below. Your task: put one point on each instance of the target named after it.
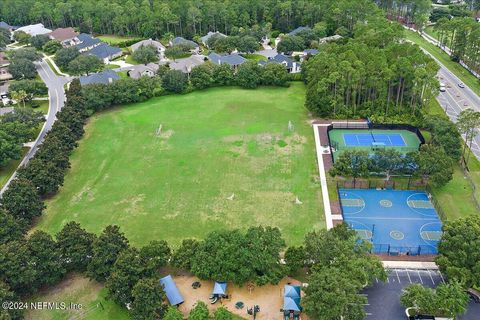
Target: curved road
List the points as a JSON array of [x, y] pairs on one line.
[[56, 95]]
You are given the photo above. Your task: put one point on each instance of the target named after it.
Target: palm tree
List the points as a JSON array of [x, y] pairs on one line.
[[20, 95]]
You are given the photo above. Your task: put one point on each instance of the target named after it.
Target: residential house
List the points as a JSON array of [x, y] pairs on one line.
[[148, 70], [182, 41], [4, 63], [34, 29], [105, 52], [4, 25], [149, 42], [210, 34], [66, 36], [330, 39], [233, 59], [291, 65], [186, 64], [84, 42], [104, 77], [298, 30]]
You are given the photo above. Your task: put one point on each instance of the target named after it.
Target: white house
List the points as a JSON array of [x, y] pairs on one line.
[[34, 29], [149, 42]]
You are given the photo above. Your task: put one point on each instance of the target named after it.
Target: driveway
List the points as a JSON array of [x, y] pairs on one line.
[[384, 297]]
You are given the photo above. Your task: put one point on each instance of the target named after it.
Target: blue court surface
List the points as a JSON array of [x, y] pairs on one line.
[[396, 221], [369, 139]]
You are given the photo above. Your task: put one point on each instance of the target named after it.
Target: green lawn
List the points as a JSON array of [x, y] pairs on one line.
[[129, 59], [7, 171], [174, 186], [111, 66], [80, 290], [113, 39], [462, 73], [254, 56]]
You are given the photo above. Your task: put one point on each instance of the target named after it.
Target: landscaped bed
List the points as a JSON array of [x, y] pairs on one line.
[[214, 145]]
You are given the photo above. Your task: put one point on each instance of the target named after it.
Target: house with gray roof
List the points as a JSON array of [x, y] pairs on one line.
[[149, 42], [85, 42], [297, 30], [233, 59], [104, 77], [186, 64], [210, 34], [34, 29], [105, 52], [335, 37], [5, 25], [138, 71], [291, 65], [184, 42]]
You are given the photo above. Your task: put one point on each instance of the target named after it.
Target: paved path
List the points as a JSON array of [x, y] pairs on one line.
[[56, 95]]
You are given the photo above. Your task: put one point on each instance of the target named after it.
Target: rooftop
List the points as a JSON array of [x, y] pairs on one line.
[[148, 42], [62, 34], [103, 51], [297, 30], [232, 59], [104, 77], [34, 29]]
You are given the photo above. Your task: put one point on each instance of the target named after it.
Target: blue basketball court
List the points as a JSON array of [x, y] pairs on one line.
[[395, 221], [369, 139]]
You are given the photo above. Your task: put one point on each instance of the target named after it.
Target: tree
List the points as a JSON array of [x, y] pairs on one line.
[[16, 269], [182, 258], [22, 201], [39, 41], [173, 314], [10, 148], [125, 273], [65, 55], [19, 96], [444, 134], [434, 165], [22, 69], [222, 314], [45, 258], [332, 295], [145, 54], [201, 76], [199, 312], [247, 44], [249, 75], [25, 116], [290, 44], [223, 75], [4, 38], [22, 37], [45, 176], [7, 295], [294, 259], [468, 122], [386, 161], [75, 246], [148, 299], [459, 250], [174, 81], [30, 87], [28, 53], [106, 249], [176, 52], [85, 64], [351, 163], [52, 46], [275, 74], [10, 228], [155, 255]]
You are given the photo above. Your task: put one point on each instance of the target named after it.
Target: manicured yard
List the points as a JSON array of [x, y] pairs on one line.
[[254, 56], [129, 59], [7, 171], [113, 40], [213, 144]]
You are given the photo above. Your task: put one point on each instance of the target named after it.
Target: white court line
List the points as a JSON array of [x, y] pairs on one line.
[[441, 276], [408, 274], [323, 177], [398, 277], [421, 280], [431, 278]]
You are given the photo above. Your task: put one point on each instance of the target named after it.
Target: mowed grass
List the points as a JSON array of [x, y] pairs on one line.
[[113, 39], [214, 143]]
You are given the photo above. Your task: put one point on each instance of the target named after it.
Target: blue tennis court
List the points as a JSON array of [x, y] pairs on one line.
[[396, 221], [368, 139]]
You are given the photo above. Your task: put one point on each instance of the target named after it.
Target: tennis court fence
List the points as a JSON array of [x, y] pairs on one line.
[[404, 184], [349, 125], [402, 250]]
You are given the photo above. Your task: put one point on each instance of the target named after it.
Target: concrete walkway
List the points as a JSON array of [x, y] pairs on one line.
[[323, 175], [410, 265]]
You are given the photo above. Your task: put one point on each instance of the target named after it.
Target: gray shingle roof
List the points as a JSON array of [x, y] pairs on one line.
[[297, 30], [103, 51], [5, 25], [181, 40], [99, 78], [86, 41], [148, 42], [231, 59], [280, 58], [212, 34]]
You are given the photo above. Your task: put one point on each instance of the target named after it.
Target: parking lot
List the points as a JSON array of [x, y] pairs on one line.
[[384, 297]]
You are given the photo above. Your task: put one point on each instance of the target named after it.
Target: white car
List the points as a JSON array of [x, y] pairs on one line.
[[461, 85], [442, 89]]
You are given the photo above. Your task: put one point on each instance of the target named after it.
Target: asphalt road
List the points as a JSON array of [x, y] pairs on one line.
[[384, 297], [56, 94]]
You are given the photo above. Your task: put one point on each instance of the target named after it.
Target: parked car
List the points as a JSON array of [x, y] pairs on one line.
[[461, 85]]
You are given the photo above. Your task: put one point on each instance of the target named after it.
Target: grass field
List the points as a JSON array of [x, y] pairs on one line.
[[214, 143], [113, 40], [254, 56]]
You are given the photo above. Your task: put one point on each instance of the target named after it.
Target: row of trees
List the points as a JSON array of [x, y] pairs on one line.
[[360, 80], [220, 44], [71, 60], [21, 63], [186, 18], [461, 36], [410, 12]]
